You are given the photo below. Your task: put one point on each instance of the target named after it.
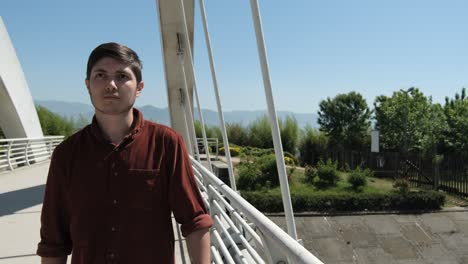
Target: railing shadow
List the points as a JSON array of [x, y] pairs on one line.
[[11, 202]]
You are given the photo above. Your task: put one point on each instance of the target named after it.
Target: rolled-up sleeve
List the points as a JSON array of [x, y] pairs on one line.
[[55, 232], [184, 194]]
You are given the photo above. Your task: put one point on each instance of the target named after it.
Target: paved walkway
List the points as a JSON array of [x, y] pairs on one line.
[[435, 238], [21, 194]]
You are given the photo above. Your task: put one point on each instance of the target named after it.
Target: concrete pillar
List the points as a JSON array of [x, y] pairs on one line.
[[18, 116], [170, 22]]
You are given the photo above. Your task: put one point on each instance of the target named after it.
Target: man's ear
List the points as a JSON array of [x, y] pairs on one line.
[[140, 87], [87, 83]]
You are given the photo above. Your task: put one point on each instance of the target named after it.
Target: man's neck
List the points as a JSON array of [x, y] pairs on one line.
[[115, 127]]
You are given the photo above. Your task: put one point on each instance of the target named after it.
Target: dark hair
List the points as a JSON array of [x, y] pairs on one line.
[[118, 52]]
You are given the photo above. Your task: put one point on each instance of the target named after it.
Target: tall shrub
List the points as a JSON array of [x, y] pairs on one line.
[[312, 146]]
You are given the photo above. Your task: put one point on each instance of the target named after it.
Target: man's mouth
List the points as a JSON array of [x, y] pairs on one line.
[[111, 97]]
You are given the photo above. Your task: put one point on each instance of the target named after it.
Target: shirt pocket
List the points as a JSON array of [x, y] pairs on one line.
[[143, 188]]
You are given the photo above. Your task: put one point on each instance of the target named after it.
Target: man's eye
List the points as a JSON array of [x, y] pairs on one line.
[[99, 75], [122, 76]]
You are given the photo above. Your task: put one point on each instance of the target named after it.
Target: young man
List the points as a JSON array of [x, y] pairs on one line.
[[112, 186]]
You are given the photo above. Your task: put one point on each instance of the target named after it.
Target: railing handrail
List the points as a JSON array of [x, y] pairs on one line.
[[30, 139], [26, 151], [294, 251]]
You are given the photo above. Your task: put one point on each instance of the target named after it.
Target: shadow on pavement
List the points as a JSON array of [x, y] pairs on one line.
[[11, 202]]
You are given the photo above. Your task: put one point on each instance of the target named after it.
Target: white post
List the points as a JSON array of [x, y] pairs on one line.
[[188, 104], [218, 100], [10, 166], [291, 225], [188, 48]]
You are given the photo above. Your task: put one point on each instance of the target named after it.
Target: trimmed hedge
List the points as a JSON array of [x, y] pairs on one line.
[[272, 203]]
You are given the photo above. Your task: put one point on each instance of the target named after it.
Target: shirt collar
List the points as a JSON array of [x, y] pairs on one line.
[[137, 125]]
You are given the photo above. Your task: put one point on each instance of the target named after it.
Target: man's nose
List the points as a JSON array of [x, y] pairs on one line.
[[111, 86]]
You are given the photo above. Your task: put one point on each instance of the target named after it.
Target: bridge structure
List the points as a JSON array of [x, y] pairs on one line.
[[241, 234]]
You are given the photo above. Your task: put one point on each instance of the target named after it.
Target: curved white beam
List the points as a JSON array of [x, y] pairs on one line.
[[18, 116]]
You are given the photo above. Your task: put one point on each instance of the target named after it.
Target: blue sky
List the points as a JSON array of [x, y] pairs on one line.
[[316, 49]]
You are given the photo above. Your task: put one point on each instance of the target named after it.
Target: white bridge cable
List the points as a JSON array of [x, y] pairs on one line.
[[291, 225], [189, 142], [188, 48], [227, 150], [188, 104], [202, 124]]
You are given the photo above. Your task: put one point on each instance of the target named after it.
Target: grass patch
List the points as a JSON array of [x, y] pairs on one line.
[[378, 195]]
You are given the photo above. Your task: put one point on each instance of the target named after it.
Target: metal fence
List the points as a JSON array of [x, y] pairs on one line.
[[18, 152], [448, 173], [241, 233]]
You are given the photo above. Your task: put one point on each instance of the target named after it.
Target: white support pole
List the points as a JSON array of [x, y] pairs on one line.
[[202, 121], [188, 48], [189, 143], [218, 101], [188, 104], [291, 225]]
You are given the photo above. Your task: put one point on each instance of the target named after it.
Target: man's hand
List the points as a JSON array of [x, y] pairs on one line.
[[198, 244], [59, 260]]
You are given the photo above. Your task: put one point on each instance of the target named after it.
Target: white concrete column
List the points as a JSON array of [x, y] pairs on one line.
[[18, 116]]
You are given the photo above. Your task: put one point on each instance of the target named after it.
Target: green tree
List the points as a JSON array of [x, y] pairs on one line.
[[313, 146], [289, 134], [198, 130], [345, 119], [53, 124], [260, 133], [456, 113], [237, 134], [408, 121]]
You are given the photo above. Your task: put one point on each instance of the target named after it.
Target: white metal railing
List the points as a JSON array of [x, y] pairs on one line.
[[241, 233], [210, 142], [17, 152]]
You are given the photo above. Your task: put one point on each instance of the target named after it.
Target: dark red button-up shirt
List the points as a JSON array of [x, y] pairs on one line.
[[113, 204]]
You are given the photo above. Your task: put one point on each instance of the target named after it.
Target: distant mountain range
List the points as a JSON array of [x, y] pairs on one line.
[[161, 115]]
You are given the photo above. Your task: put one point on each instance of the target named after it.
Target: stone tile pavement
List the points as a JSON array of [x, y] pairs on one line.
[[432, 238]]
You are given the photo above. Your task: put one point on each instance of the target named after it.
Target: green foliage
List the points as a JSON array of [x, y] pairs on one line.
[[345, 119], [198, 130], [258, 172], [402, 186], [260, 133], [234, 150], [351, 201], [310, 173], [269, 170], [358, 178], [53, 124], [237, 134], [327, 173], [289, 133], [248, 176], [456, 113], [256, 152], [313, 146], [408, 121]]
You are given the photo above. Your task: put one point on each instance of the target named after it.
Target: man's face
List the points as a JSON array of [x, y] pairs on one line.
[[113, 87]]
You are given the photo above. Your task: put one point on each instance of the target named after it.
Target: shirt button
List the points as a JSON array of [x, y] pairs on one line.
[[115, 173], [114, 201], [111, 256], [113, 229]]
